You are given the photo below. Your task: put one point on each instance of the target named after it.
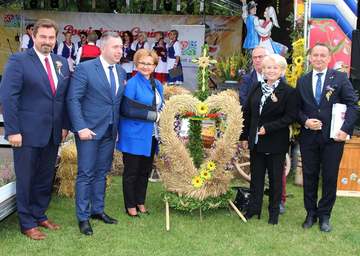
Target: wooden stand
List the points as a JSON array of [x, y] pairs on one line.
[[349, 171], [167, 216]]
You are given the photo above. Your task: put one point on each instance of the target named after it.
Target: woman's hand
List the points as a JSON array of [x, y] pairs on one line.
[[262, 131]]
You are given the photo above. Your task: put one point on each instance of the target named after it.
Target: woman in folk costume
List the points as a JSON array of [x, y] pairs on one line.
[[265, 32], [67, 50], [160, 48], [128, 54], [141, 43], [252, 23], [174, 66]]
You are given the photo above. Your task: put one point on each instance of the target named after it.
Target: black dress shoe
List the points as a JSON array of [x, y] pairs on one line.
[[309, 221], [249, 215], [85, 228], [273, 219], [104, 217], [324, 225]]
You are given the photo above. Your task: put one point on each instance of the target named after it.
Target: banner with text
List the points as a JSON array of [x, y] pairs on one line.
[[222, 33]]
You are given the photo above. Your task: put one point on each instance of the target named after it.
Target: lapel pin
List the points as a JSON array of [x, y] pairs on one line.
[[273, 97]]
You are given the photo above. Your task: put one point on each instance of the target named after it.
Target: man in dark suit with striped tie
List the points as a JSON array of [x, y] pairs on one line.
[[318, 91]]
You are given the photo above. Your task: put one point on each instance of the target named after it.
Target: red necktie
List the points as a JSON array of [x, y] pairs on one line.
[[49, 73]]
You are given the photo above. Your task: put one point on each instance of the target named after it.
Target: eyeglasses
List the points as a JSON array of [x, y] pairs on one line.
[[258, 57], [146, 64]]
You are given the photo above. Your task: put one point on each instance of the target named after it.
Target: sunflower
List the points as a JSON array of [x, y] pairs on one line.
[[299, 60], [298, 71], [197, 182], [202, 108], [205, 174], [211, 166], [298, 43]]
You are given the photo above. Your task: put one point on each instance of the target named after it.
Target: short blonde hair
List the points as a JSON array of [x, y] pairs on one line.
[[142, 53], [143, 34], [278, 59]]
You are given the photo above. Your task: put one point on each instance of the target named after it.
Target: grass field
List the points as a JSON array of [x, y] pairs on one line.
[[221, 232]]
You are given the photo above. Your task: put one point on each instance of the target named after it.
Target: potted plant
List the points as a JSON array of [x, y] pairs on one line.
[[230, 69]]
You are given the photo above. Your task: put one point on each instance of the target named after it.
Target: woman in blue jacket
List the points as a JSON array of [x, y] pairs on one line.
[[138, 130]]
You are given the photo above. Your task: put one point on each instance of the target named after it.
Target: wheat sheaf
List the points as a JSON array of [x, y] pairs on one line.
[[178, 168]]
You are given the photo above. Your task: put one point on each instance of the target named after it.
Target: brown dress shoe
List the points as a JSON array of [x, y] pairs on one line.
[[34, 233], [49, 225]]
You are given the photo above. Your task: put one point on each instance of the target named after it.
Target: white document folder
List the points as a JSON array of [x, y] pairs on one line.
[[337, 119]]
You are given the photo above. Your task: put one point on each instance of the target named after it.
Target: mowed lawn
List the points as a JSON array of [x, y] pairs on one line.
[[220, 232]]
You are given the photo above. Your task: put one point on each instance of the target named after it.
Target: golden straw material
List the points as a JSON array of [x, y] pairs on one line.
[[177, 169], [174, 90], [67, 170], [117, 168]]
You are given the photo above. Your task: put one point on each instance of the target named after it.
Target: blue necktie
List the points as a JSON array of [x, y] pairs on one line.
[[318, 88], [112, 81]]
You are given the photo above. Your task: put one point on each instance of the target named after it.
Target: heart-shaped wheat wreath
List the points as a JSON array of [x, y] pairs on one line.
[[179, 171]]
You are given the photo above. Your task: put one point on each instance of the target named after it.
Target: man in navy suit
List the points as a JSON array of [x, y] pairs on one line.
[[33, 92], [251, 79], [318, 91], [94, 103]]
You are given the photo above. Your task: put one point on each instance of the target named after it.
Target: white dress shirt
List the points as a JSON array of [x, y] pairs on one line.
[[259, 76], [53, 71], [315, 78], [107, 71]]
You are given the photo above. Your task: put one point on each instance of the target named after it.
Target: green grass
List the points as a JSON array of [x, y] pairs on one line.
[[221, 232]]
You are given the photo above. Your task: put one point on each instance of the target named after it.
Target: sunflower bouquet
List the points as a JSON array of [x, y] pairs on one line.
[[297, 68], [232, 68], [293, 73]]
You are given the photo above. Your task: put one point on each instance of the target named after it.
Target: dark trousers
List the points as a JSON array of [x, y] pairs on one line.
[[34, 169], [135, 178], [94, 163], [259, 163], [325, 157]]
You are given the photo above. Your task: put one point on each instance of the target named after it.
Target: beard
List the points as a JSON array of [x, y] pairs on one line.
[[46, 48]]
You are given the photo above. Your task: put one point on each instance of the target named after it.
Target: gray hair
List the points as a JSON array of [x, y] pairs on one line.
[[278, 59], [106, 35], [262, 48]]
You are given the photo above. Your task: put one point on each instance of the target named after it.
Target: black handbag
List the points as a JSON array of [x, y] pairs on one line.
[[175, 72]]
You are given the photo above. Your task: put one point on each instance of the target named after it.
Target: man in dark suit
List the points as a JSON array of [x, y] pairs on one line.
[[33, 93], [251, 79], [94, 102], [318, 91]]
